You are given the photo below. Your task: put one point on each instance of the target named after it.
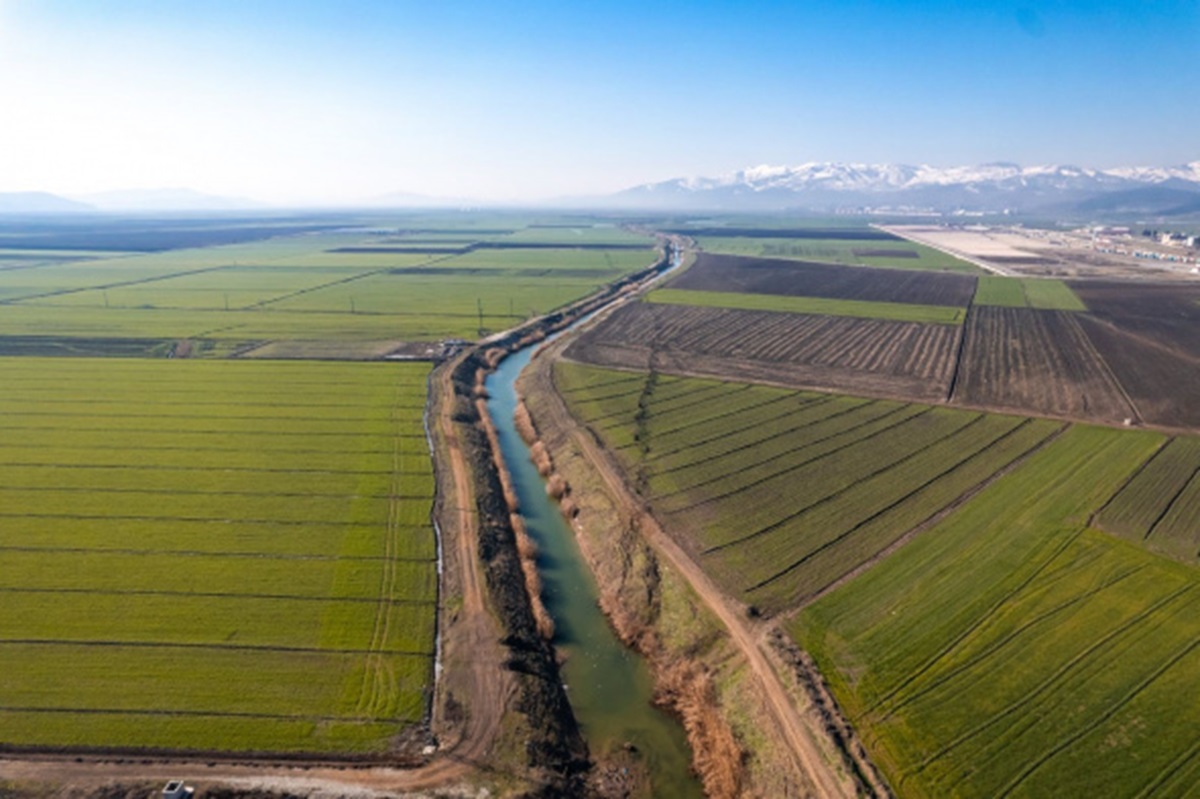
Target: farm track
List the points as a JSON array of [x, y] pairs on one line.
[[797, 728]]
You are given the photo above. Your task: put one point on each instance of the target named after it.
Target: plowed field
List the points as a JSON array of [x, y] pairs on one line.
[[1033, 360], [866, 355]]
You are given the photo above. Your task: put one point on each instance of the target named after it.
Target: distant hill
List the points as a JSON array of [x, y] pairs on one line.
[[39, 202], [172, 199]]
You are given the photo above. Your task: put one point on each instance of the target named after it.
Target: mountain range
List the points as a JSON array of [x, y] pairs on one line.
[[995, 187], [817, 186]]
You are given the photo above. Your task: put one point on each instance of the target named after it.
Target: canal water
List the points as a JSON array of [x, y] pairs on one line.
[[610, 686]]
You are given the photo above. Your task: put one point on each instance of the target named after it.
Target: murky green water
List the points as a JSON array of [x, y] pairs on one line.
[[610, 686]]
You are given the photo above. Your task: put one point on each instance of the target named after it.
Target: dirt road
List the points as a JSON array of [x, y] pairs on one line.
[[795, 721]]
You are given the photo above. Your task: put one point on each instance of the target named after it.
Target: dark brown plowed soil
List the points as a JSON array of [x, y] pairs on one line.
[[872, 356], [1030, 360], [1162, 382], [811, 279], [1168, 314]]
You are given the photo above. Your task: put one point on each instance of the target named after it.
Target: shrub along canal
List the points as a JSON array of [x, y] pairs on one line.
[[610, 686]]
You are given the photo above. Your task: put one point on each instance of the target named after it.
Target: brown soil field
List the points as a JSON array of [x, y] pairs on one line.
[[1167, 314], [1031, 360], [1162, 382], [872, 356], [810, 279]]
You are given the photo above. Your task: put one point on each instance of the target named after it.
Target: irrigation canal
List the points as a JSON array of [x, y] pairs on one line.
[[610, 686]]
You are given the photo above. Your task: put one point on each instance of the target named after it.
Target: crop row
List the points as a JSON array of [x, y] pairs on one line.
[[1010, 651], [1159, 503], [783, 493], [186, 558]]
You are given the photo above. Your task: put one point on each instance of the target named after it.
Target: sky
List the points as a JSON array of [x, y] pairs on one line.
[[291, 101]]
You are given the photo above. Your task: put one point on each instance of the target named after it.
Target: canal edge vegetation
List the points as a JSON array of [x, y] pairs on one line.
[[539, 732], [701, 675]]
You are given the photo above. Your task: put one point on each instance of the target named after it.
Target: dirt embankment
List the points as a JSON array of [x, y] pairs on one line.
[[629, 579], [555, 750], [695, 637]]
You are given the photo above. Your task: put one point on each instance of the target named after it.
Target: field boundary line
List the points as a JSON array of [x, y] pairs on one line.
[[979, 622], [932, 521], [807, 406], [1195, 478], [852, 428], [211, 595], [847, 488], [892, 505], [1109, 712], [793, 467], [1093, 519], [306, 650], [1024, 701], [1069, 316]]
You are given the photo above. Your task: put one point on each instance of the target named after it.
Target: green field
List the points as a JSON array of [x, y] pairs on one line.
[[897, 311], [783, 493], [1012, 651], [1008, 648], [397, 281], [840, 251], [214, 555], [1015, 292], [1161, 505]]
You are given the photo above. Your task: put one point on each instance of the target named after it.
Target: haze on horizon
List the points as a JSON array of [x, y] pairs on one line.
[[311, 102]]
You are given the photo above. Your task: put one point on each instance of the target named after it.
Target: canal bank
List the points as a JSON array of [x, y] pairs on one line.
[[610, 687]]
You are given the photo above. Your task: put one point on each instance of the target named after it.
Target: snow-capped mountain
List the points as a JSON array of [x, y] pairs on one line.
[[988, 187]]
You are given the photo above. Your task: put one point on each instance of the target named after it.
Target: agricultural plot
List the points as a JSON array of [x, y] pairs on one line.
[[1023, 359], [885, 251], [1011, 292], [1149, 335], [1160, 506], [897, 311], [782, 494], [221, 556], [843, 244], [1012, 651], [872, 356], [341, 285], [803, 279]]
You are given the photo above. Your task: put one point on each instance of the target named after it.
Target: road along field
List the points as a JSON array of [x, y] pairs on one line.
[[798, 278], [982, 638], [873, 356], [782, 494], [1011, 651], [199, 556]]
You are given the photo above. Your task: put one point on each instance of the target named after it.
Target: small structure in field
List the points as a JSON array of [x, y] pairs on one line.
[[176, 789]]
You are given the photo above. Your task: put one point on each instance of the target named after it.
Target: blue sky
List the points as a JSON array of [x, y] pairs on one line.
[[304, 101]]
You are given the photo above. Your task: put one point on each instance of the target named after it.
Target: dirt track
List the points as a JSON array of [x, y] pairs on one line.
[[796, 725]]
